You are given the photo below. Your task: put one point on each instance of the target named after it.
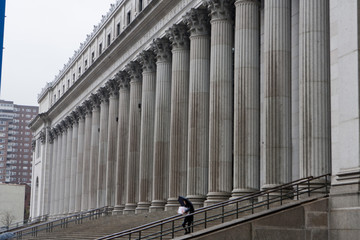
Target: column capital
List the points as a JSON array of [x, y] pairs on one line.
[[104, 94], [113, 86], [220, 9], [52, 135], [135, 71], [147, 60], [124, 79], [240, 2], [81, 112], [42, 136], [162, 48], [179, 36], [95, 100], [64, 126], [75, 116], [70, 121], [88, 107], [33, 145], [198, 22]]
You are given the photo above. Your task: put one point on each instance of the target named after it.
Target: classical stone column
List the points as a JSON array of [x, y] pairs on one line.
[[80, 157], [94, 149], [62, 169], [199, 88], [86, 156], [104, 115], [59, 133], [75, 116], [69, 123], [277, 96], [314, 77], [162, 125], [247, 98], [113, 86], [179, 37], [221, 101], [133, 157], [122, 142], [48, 141], [53, 140], [147, 59]]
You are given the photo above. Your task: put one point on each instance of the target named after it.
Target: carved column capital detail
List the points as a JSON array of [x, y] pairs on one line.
[[70, 121], [104, 94], [42, 136], [198, 22], [81, 112], [221, 9], [124, 79], [51, 135], [113, 86], [162, 48], [148, 61], [33, 145], [95, 100], [75, 116], [88, 106], [135, 71], [179, 36]]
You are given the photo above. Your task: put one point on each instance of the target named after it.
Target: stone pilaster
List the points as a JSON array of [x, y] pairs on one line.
[[314, 81], [179, 37], [69, 123], [47, 171], [147, 59], [75, 116], [199, 89], [221, 101], [122, 141], [162, 124], [277, 95], [104, 114], [247, 98], [113, 86], [94, 149], [133, 157], [80, 157], [86, 156]]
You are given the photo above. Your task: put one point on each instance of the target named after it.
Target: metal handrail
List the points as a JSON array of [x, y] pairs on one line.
[[259, 199], [61, 222], [21, 224]]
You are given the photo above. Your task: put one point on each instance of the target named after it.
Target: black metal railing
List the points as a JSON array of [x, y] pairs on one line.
[[63, 222], [231, 209]]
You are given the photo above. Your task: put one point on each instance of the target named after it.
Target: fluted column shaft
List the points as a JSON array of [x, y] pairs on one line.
[[147, 131], [199, 89], [48, 168], [58, 172], [111, 147], [94, 151], [277, 97], [53, 173], [68, 168], [178, 35], [86, 157], [79, 163], [221, 102], [122, 145], [101, 180], [62, 169], [314, 71], [73, 163], [133, 158], [247, 98], [162, 125]]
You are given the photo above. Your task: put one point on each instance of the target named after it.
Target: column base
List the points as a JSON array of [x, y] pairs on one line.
[[129, 208], [142, 207], [216, 197], [157, 205], [118, 210], [197, 200], [172, 205], [240, 192]]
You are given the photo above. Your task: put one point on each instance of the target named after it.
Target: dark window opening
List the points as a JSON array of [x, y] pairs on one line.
[[128, 17], [109, 39], [118, 29], [140, 5], [100, 48]]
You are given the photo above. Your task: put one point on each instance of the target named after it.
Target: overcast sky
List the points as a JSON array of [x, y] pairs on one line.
[[39, 38]]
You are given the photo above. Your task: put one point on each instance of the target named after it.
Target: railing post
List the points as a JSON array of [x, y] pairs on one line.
[[161, 231], [205, 220], [237, 209], [268, 200], [173, 229], [326, 184], [308, 188], [140, 234], [252, 205], [222, 214], [297, 191], [281, 196]]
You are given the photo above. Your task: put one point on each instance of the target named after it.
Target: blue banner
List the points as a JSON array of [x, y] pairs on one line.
[[2, 23]]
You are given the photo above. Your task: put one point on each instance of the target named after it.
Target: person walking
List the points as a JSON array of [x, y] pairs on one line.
[[189, 209]]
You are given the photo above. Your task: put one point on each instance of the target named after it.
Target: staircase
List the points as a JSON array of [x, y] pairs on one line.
[[224, 218]]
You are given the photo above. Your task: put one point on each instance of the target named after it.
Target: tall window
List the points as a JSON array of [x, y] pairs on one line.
[[108, 39], [63, 88], [86, 64], [128, 17], [59, 93], [79, 71], [68, 83], [140, 5], [92, 57], [118, 29], [73, 77], [100, 48]]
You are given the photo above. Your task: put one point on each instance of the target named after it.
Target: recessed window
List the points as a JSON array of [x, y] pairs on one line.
[[100, 48], [68, 83], [92, 57], [109, 39], [79, 71], [63, 88], [86, 64], [128, 17], [73, 77], [118, 29], [59, 93], [140, 5]]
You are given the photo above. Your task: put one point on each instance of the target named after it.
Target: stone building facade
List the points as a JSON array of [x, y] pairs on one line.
[[210, 99]]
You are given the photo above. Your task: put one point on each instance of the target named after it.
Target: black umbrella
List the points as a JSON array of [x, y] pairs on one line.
[[185, 202]]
